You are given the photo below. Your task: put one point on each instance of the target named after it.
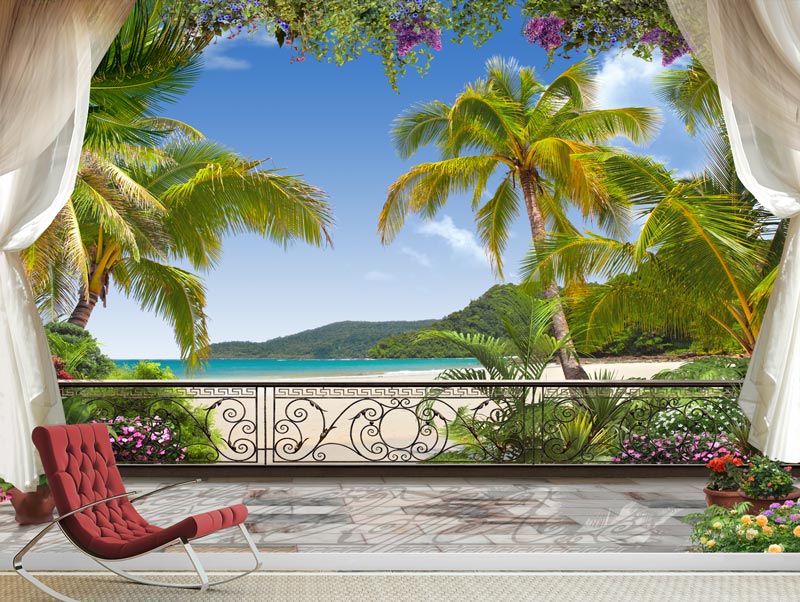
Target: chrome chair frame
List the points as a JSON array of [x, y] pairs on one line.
[[203, 585]]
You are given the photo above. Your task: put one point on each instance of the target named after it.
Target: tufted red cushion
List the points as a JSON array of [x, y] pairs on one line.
[[80, 469]]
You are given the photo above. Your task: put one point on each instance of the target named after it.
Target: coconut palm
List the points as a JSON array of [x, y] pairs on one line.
[[152, 195], [692, 94], [703, 264], [540, 140]]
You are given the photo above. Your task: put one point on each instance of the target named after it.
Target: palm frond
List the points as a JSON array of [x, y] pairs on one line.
[[423, 124], [692, 94], [494, 220], [426, 187], [489, 351], [177, 296], [637, 124]]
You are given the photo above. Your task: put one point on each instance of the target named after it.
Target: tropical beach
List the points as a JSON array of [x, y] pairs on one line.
[[373, 370], [406, 285]]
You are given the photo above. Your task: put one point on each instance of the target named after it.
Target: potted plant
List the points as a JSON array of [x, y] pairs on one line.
[[723, 484], [766, 482], [775, 530], [30, 508]]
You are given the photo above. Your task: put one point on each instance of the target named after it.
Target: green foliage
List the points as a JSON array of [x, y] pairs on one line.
[[722, 530], [153, 196], [595, 27], [193, 428], [503, 433], [766, 478], [690, 412], [79, 350], [342, 30], [142, 370], [339, 340], [707, 368], [632, 341]]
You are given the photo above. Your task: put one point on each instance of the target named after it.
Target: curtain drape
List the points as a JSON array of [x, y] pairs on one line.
[[48, 53], [752, 49]]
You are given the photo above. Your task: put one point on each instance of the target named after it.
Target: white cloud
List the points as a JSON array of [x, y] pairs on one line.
[[625, 80], [460, 240], [420, 258], [215, 60], [217, 56], [376, 276]]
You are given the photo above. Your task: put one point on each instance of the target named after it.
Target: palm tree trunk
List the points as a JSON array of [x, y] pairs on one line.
[[83, 310], [567, 356]]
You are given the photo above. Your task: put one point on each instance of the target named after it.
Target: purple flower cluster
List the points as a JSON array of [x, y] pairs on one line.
[[216, 16], [672, 47], [415, 31], [681, 449], [136, 440], [546, 31]]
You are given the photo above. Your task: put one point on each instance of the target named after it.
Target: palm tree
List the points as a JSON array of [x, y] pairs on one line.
[[706, 259], [152, 193], [703, 264], [540, 140]]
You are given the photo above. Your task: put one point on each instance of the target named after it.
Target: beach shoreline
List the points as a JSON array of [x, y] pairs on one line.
[[621, 371]]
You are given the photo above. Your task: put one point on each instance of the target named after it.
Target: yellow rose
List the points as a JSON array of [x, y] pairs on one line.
[[761, 520], [717, 525], [747, 519], [733, 512], [796, 531], [767, 530], [711, 543], [775, 549], [704, 540]]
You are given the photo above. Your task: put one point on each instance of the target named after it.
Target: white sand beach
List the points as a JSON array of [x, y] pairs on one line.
[[621, 371]]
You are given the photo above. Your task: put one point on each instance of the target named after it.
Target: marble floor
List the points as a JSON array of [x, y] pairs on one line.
[[380, 515]]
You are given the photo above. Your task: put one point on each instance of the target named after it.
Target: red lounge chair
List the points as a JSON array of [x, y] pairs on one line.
[[97, 515]]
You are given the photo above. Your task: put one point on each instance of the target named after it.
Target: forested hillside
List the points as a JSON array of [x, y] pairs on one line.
[[332, 341], [481, 316]]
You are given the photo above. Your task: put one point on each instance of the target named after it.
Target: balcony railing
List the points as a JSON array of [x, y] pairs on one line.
[[274, 423]]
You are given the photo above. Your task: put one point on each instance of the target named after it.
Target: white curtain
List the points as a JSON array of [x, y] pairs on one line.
[[752, 49], [48, 53]]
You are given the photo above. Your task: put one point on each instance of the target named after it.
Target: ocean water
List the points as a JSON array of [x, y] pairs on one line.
[[246, 369]]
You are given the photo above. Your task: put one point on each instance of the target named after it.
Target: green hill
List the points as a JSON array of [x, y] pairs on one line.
[[332, 341], [481, 316]]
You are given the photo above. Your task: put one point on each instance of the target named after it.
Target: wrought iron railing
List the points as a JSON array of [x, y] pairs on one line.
[[494, 422]]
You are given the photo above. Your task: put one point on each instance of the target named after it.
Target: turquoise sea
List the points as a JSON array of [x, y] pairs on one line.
[[288, 369]]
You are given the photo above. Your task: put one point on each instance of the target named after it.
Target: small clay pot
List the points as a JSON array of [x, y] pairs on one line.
[[758, 505], [724, 499], [33, 508]]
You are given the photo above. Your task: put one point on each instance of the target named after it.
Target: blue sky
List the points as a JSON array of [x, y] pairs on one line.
[[331, 125]]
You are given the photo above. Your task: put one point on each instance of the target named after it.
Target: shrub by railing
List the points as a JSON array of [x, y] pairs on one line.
[[488, 422]]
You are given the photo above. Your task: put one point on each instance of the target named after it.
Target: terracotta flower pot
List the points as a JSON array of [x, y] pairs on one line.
[[762, 503], [725, 499], [33, 508]]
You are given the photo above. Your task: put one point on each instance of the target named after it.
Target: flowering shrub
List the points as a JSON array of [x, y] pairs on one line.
[[672, 45], [765, 478], [61, 368], [679, 449], [348, 29], [726, 473], [546, 31], [718, 529], [596, 26], [150, 440], [697, 416], [413, 24]]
